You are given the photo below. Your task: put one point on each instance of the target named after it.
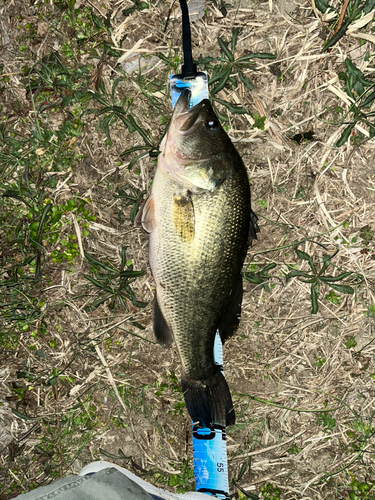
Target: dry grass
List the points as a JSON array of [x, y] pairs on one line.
[[274, 367]]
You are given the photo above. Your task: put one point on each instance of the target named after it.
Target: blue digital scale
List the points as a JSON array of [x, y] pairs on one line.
[[210, 450], [198, 87]]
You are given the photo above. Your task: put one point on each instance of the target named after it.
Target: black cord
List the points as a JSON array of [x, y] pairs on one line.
[[189, 69]]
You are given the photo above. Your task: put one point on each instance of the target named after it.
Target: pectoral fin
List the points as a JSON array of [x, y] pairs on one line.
[[146, 216], [183, 217]]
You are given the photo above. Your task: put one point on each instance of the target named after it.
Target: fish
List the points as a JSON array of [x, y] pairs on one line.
[[200, 224]]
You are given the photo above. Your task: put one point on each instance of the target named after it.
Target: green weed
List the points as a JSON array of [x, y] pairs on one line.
[[227, 65], [52, 86], [111, 111], [318, 277], [355, 9], [171, 388], [34, 232], [361, 490], [367, 235], [133, 196], [320, 362], [113, 284], [326, 421], [260, 277], [270, 492], [350, 342], [362, 93], [182, 480], [138, 5], [294, 450]]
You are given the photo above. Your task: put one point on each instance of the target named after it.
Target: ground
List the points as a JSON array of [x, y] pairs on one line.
[[81, 376]]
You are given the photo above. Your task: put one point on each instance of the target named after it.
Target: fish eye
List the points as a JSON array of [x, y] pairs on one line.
[[212, 124]]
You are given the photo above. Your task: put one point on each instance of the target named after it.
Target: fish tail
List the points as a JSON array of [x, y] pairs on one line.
[[209, 401]]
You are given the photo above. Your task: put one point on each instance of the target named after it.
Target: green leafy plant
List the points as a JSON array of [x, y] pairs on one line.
[[34, 231], [361, 431], [42, 223], [38, 215], [182, 481], [318, 278], [361, 490], [89, 32], [270, 492], [112, 111], [327, 421], [294, 449], [354, 10], [333, 297], [260, 277], [362, 92], [171, 387], [221, 72], [262, 203], [320, 362], [51, 85], [222, 6], [367, 235], [113, 284], [350, 342], [259, 121], [138, 5], [134, 197], [370, 311]]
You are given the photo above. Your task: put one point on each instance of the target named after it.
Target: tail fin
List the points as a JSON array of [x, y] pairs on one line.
[[209, 401]]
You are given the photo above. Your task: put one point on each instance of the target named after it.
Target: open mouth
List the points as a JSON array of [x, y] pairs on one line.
[[185, 118]]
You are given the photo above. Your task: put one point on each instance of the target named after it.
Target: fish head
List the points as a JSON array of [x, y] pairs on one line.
[[196, 147], [195, 132]]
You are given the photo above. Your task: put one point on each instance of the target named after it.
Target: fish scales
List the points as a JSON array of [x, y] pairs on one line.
[[193, 280], [199, 217]]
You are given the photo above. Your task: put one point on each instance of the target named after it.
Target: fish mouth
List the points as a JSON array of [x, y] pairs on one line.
[[186, 119]]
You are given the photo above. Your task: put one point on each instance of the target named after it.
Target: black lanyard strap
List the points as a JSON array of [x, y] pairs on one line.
[[188, 70]]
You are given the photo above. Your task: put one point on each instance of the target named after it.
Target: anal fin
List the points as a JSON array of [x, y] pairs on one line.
[[231, 317], [161, 329], [253, 227]]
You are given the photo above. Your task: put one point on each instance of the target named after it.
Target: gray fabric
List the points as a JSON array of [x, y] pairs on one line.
[[107, 484]]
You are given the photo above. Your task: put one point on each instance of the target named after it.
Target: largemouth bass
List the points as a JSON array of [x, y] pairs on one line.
[[200, 224]]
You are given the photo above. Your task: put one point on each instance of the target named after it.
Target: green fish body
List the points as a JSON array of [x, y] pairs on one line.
[[200, 223]]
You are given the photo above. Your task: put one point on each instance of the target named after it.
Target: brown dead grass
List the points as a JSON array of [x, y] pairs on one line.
[[270, 365]]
